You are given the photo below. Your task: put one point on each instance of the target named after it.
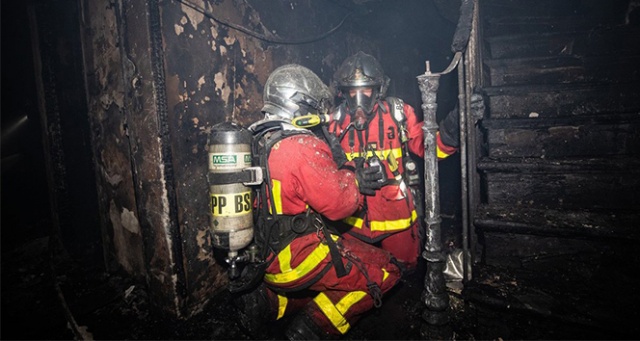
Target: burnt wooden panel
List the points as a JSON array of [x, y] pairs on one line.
[[565, 139], [121, 234], [563, 69], [577, 281], [65, 130], [508, 17], [565, 100], [617, 40], [613, 11], [153, 178], [559, 168], [618, 225], [529, 24], [573, 191]]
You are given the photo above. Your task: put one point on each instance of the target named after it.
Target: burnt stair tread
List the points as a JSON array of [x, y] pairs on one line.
[[588, 164], [536, 122], [563, 69], [587, 42], [588, 309], [575, 223], [562, 100]]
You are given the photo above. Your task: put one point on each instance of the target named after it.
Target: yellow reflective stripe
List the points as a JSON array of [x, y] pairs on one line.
[[288, 274], [382, 154], [385, 225], [440, 154], [276, 189], [284, 259], [354, 221], [282, 306], [349, 300], [332, 313], [335, 313]]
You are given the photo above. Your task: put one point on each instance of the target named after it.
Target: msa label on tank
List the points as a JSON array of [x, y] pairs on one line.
[[230, 204], [219, 161]]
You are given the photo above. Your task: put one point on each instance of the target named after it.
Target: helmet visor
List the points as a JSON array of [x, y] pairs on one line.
[[360, 97]]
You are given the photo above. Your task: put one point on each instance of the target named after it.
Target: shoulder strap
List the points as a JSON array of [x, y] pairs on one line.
[[396, 105]]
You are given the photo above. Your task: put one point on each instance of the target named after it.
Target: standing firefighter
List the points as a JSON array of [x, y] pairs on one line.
[[309, 268], [384, 130]]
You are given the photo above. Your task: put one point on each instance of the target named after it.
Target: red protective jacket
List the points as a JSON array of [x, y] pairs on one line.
[[391, 210]]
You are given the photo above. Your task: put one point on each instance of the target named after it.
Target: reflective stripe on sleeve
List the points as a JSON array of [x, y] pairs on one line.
[[384, 226], [441, 154], [382, 154]]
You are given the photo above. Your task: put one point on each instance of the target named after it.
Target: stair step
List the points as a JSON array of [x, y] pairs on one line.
[[562, 100], [520, 16], [624, 165], [562, 186], [564, 69], [547, 222], [523, 24], [603, 41], [562, 137], [578, 295]]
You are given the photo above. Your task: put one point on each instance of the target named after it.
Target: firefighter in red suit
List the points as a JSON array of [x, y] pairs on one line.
[[310, 269], [385, 130]]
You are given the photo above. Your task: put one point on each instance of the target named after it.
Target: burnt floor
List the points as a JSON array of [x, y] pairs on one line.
[[500, 305]]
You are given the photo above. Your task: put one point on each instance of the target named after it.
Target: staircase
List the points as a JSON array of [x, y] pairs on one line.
[[559, 212]]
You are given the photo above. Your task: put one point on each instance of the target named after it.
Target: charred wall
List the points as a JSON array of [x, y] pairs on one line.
[[65, 130]]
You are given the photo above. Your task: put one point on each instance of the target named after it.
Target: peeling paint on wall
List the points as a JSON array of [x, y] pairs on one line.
[[195, 17], [129, 221], [120, 240], [222, 89]]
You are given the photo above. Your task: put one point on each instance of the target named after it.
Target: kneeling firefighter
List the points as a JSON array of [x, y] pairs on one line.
[[305, 266]]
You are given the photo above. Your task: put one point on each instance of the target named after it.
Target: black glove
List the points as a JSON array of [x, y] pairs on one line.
[[336, 149], [450, 127], [250, 277], [368, 178]]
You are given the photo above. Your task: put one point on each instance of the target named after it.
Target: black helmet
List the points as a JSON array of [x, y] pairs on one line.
[[293, 90], [361, 70]]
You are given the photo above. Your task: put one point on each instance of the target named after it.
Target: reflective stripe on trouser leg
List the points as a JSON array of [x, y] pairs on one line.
[[282, 306], [291, 303], [341, 309]]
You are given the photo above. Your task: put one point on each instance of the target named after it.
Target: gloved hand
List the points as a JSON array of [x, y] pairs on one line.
[[336, 149], [449, 128], [249, 278], [368, 177]]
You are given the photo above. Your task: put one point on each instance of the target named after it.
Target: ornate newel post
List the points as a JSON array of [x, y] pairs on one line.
[[434, 295]]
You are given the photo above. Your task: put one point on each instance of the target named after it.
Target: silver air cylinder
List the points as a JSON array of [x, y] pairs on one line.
[[231, 202]]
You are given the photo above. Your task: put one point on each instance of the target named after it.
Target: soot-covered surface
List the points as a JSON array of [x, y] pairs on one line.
[[501, 304]]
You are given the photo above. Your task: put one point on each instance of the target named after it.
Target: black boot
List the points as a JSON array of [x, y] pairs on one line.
[[255, 311], [303, 328]]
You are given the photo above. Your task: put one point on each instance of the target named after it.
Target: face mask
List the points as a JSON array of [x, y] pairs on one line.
[[360, 102]]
